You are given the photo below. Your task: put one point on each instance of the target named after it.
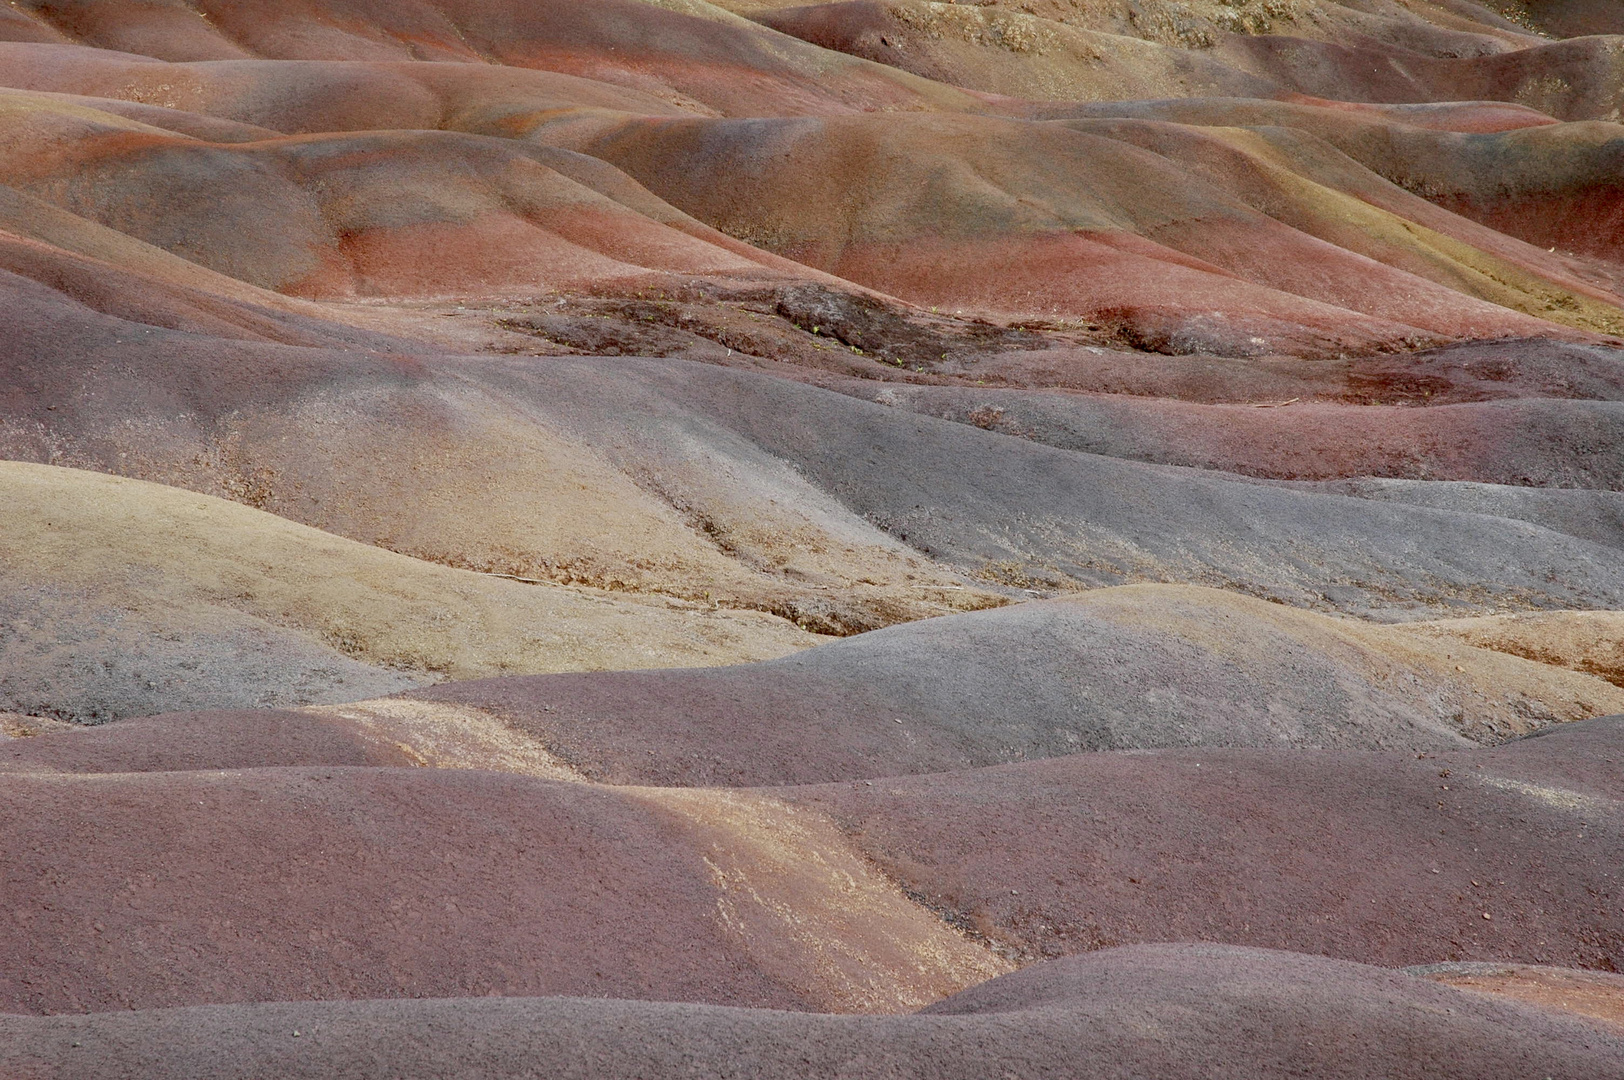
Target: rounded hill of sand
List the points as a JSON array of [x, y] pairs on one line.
[[1130, 668], [869, 895], [1177, 1011], [124, 594]]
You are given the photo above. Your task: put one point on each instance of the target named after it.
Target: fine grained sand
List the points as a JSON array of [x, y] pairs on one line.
[[124, 597], [314, 866], [1194, 1011], [866, 539]]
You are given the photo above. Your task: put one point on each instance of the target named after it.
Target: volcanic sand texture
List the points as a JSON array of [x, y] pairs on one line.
[[1588, 514], [1394, 858], [1131, 668], [1453, 374], [714, 61], [1551, 185], [308, 96], [1002, 51], [1595, 994], [376, 213], [1176, 1011], [342, 882], [349, 876], [794, 480], [1137, 667], [1068, 51], [215, 739], [126, 597], [257, 487], [1590, 641], [1105, 221], [1572, 18], [396, 451], [1195, 24], [1027, 514], [298, 432], [1528, 442], [389, 213], [1331, 51]]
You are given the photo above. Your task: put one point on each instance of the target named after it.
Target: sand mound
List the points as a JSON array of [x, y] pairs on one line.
[[396, 451], [1528, 442], [281, 884], [1190, 1011], [124, 596], [221, 739], [998, 50], [1131, 668], [1511, 169], [1592, 515], [1571, 18], [1026, 514], [631, 473], [1454, 374], [707, 58], [1571, 80], [386, 213], [1121, 223], [1187, 25], [302, 96], [1390, 858], [1128, 668], [601, 357], [1085, 217], [1055, 50]]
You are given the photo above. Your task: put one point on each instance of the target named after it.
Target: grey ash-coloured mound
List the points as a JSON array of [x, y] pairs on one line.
[[232, 416], [1036, 514], [1175, 1012], [1139, 667], [68, 652]]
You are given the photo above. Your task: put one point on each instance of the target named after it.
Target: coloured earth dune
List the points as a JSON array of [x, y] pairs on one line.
[[662, 538]]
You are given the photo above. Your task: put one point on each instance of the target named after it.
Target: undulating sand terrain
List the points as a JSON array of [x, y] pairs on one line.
[[877, 539]]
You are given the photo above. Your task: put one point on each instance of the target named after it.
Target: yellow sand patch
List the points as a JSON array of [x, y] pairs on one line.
[[1504, 694], [444, 736], [1593, 994], [810, 909], [18, 726], [146, 550], [1559, 798], [1588, 641]]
